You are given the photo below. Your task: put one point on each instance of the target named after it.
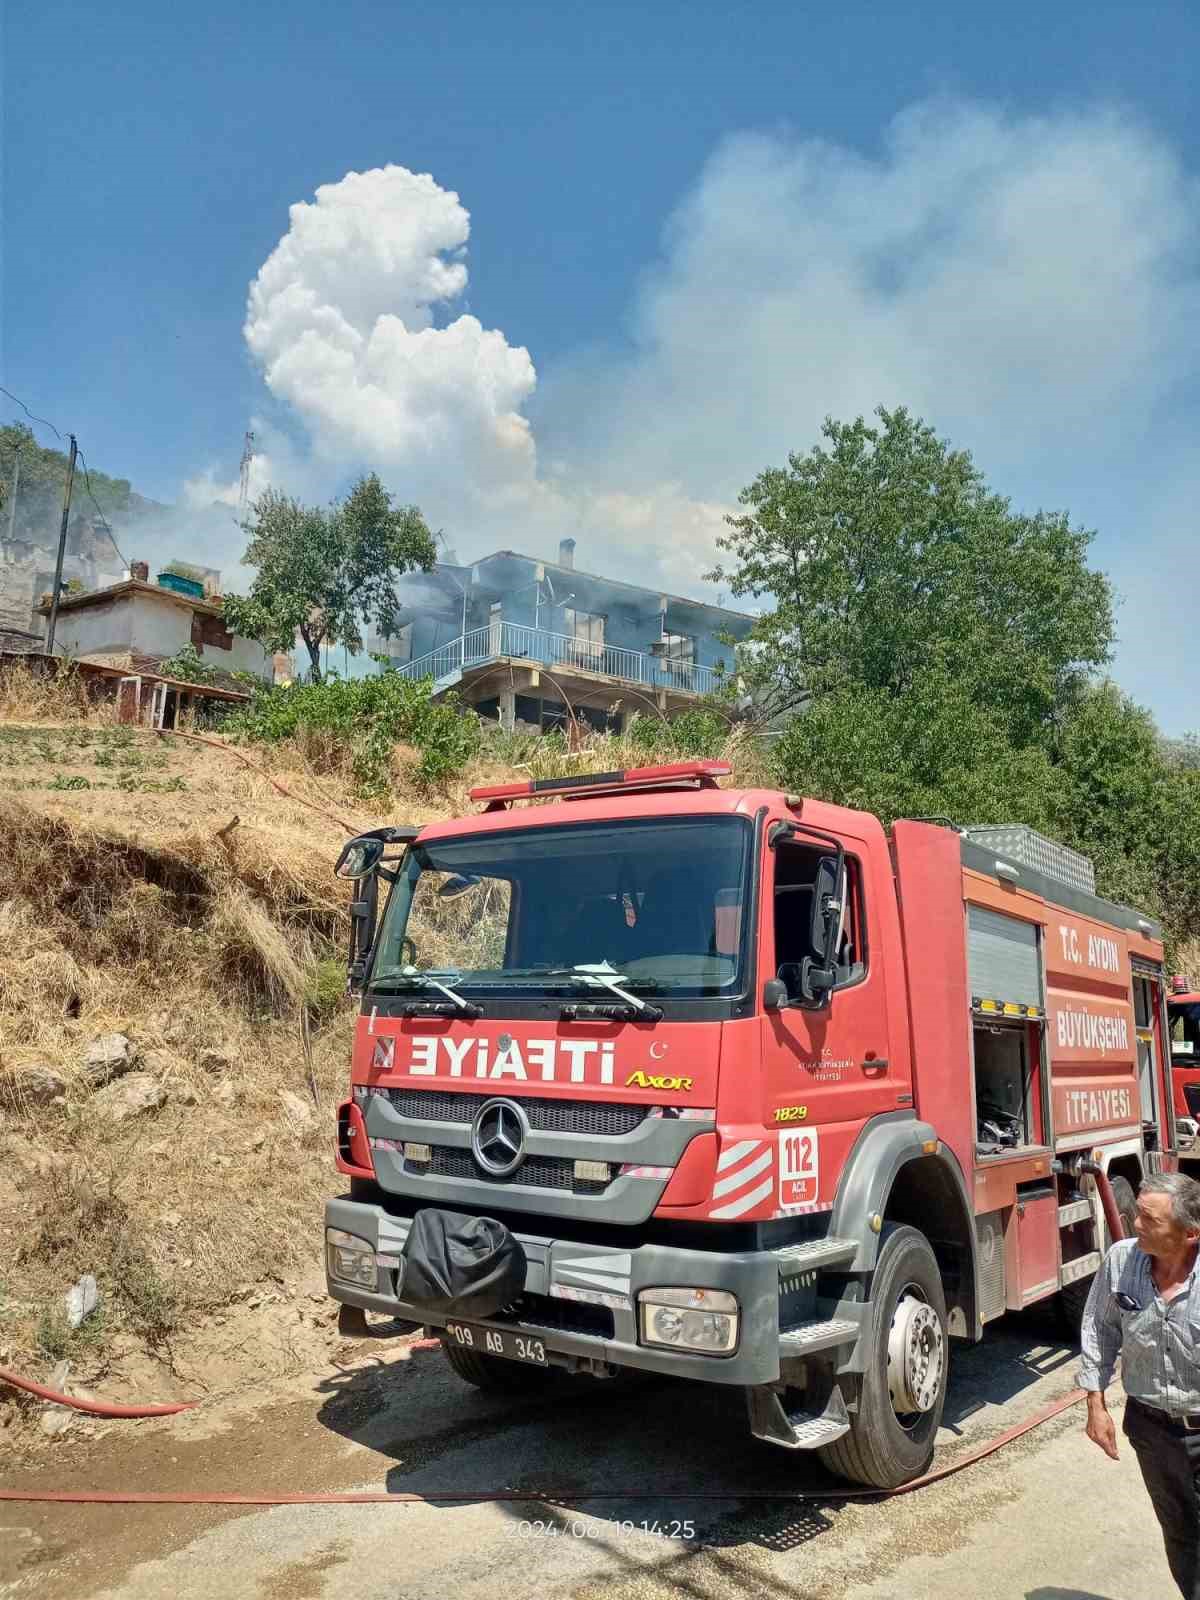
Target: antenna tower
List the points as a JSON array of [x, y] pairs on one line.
[[244, 479]]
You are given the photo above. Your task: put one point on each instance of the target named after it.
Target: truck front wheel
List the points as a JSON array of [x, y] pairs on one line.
[[903, 1390]]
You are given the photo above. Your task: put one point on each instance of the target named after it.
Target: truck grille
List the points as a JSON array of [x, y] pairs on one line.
[[600, 1118], [538, 1172], [559, 1316]]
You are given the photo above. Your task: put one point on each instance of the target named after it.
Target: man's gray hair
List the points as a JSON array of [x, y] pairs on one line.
[[1184, 1192]]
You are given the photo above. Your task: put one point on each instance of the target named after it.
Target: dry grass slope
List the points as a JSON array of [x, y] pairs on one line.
[[160, 889]]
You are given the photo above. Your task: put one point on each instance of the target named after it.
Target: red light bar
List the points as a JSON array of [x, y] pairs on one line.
[[702, 774]]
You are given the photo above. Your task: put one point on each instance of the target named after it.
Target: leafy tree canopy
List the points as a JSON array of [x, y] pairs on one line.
[[322, 572], [884, 553], [944, 652]]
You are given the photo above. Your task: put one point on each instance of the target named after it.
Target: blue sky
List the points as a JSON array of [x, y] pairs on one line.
[[706, 230]]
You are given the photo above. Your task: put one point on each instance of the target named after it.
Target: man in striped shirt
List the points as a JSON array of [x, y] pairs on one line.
[[1145, 1308]]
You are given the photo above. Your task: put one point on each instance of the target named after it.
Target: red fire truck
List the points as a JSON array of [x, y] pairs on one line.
[[738, 1086], [1183, 1016]]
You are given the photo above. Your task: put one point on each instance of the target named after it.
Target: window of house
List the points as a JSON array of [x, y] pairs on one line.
[[585, 629], [679, 647], [677, 651], [210, 630], [399, 646], [594, 717]]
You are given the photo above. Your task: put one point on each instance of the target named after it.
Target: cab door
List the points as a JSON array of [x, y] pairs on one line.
[[828, 1061], [1146, 1007]]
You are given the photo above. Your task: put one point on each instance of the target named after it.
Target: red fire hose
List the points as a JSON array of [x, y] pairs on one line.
[[95, 1408], [1116, 1224]]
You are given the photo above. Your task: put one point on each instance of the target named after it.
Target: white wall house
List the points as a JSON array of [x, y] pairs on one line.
[[137, 624]]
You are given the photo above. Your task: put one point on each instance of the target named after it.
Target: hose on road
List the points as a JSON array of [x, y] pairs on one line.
[[138, 1497]]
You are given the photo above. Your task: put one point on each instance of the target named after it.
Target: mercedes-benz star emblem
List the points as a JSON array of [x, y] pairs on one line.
[[498, 1137]]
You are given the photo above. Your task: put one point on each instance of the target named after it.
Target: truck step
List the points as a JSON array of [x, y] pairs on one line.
[[819, 1333], [811, 1431], [1076, 1211], [799, 1429], [1081, 1267], [814, 1253]]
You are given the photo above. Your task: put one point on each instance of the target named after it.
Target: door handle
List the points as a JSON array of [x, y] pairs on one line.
[[875, 1064]]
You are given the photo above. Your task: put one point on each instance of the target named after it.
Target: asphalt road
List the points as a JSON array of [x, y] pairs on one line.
[[701, 1511]]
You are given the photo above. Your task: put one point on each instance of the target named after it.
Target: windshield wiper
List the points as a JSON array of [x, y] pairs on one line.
[[427, 980], [600, 975]]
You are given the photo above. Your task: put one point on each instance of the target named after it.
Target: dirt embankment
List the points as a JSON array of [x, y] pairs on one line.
[[173, 1040]]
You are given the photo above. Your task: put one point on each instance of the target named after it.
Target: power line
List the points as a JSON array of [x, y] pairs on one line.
[[96, 503], [30, 414]]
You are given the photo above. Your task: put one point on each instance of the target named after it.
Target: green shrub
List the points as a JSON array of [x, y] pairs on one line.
[[325, 987], [694, 733], [188, 665], [364, 719]]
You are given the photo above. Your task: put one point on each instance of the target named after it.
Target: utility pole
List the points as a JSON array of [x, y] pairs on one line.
[[62, 547], [12, 509]]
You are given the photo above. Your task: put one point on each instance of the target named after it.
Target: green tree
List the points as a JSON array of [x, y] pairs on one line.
[[1097, 781], [1127, 805], [930, 751], [884, 551], [324, 572]]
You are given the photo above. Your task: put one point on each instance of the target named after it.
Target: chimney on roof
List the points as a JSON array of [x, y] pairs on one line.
[[139, 571], [566, 553]]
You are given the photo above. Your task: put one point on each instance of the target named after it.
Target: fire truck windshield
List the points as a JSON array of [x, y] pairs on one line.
[[662, 903], [1185, 1031]]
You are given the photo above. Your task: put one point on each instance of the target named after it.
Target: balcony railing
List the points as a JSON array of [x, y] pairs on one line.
[[513, 639]]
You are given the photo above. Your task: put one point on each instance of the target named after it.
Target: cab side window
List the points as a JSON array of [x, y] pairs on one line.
[[797, 868]]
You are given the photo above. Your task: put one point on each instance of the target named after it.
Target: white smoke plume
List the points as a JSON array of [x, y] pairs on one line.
[[1027, 284], [341, 319]]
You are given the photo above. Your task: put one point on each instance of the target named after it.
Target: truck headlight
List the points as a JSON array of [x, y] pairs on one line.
[[703, 1321], [350, 1259]]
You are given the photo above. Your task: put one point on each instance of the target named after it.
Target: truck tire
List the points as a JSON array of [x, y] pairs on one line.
[[1073, 1299], [492, 1373], [902, 1392]]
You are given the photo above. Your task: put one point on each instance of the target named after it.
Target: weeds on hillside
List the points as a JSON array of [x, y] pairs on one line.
[[647, 741], [58, 695]]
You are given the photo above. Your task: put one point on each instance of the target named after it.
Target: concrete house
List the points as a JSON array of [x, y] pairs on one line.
[[135, 624], [516, 638]]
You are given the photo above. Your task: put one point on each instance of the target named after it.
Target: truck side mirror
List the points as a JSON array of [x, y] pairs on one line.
[[816, 982], [359, 857], [775, 994], [826, 911], [363, 914]]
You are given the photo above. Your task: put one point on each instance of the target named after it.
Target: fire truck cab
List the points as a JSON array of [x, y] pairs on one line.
[[1183, 1016], [737, 1086]]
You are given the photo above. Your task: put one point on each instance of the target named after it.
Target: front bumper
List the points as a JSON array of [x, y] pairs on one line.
[[560, 1268]]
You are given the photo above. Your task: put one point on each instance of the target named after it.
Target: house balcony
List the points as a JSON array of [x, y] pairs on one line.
[[591, 669]]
